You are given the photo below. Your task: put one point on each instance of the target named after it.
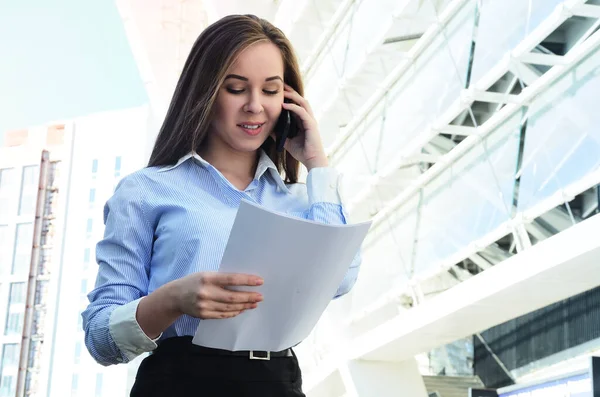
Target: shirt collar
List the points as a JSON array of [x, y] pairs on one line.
[[264, 164]]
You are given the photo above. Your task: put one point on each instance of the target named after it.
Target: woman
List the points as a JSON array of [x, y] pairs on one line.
[[167, 225]]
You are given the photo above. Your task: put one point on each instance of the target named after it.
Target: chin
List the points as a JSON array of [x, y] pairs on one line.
[[248, 146]]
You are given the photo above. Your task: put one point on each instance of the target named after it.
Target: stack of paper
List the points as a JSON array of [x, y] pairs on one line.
[[302, 264]]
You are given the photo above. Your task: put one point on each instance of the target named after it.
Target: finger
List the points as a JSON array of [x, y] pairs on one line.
[[214, 306], [232, 279], [298, 99], [307, 119], [228, 296], [218, 315]]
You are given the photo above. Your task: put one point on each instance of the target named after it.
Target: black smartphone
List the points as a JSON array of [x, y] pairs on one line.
[[286, 128]]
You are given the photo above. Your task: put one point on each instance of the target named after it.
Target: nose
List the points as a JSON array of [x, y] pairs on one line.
[[253, 105]]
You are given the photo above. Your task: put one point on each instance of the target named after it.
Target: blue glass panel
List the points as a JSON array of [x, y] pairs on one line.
[[503, 25], [470, 199], [563, 135]]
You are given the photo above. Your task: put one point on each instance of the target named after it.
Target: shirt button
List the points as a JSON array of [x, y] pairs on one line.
[[119, 360]]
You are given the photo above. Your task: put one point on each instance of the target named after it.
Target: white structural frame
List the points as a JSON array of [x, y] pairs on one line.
[[335, 359]]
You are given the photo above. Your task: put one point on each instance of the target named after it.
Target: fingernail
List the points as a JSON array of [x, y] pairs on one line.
[[258, 281]]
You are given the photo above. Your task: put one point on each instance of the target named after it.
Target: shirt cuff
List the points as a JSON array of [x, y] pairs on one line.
[[322, 184], [127, 333]]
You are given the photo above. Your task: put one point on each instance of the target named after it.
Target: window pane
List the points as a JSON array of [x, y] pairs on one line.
[[8, 187], [502, 26], [84, 287], [90, 224], [118, 164], [99, 385], [5, 251], [78, 352], [387, 257], [10, 355], [23, 246], [8, 386], [428, 88], [358, 158], [562, 143], [17, 293], [94, 166], [8, 180], [365, 26], [87, 256], [14, 323], [75, 385], [482, 181], [29, 190], [92, 195]]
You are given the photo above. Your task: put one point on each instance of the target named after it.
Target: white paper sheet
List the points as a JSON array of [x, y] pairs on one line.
[[302, 264]]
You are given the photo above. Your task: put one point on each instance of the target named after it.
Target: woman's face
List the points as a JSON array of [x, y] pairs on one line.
[[249, 101]]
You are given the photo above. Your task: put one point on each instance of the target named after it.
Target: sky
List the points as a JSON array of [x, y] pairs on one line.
[[61, 59]]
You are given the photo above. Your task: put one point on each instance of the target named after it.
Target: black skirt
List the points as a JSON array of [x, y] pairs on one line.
[[179, 368]]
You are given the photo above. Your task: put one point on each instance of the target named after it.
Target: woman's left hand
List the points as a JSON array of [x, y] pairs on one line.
[[306, 147]]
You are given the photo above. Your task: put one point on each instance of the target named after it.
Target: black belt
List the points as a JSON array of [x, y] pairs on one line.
[[184, 345]]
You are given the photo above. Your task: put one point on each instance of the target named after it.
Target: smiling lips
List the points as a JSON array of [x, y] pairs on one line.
[[251, 129]]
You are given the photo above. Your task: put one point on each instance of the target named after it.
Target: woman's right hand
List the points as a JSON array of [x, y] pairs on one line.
[[207, 295]]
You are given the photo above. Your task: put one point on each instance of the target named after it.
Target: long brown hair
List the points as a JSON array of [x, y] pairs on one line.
[[187, 121]]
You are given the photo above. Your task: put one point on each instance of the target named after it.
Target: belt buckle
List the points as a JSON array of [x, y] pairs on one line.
[[253, 357]]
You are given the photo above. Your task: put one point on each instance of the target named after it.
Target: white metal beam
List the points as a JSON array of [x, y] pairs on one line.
[[573, 57], [495, 97], [537, 231], [414, 147], [480, 261], [542, 59], [457, 130], [556, 19], [525, 72], [395, 75], [586, 10], [562, 196], [564, 265], [423, 158], [330, 30], [561, 14]]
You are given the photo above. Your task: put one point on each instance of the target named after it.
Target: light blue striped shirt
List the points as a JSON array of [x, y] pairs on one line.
[[163, 223]]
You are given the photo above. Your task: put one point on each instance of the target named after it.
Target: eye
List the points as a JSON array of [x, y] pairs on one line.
[[232, 91], [271, 92]]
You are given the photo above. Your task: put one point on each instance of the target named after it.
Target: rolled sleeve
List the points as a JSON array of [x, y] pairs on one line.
[[123, 256], [127, 333]]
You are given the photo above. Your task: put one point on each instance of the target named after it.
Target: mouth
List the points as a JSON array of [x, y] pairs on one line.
[[251, 129]]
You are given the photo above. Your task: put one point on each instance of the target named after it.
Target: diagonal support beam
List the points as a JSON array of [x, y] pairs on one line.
[[457, 130], [586, 10], [543, 59]]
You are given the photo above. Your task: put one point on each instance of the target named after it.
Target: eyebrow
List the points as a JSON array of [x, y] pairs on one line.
[[235, 76]]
